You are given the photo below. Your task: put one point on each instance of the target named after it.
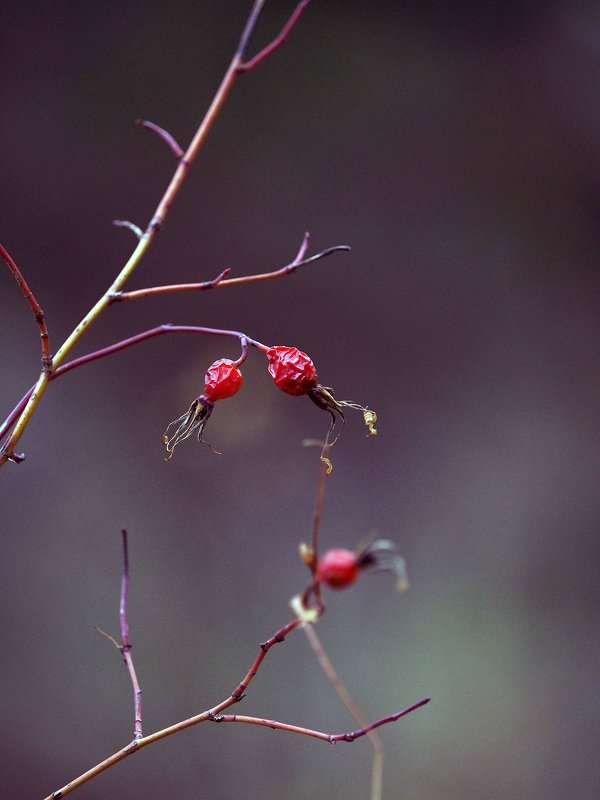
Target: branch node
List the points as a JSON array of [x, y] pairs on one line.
[[156, 224], [16, 458], [246, 66]]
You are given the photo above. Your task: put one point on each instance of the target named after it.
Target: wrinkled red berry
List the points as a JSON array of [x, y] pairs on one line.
[[338, 568], [222, 379], [292, 370]]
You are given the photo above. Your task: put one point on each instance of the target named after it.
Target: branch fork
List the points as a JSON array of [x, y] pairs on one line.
[[237, 66]]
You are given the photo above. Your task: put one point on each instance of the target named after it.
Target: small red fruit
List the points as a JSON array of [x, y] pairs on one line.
[[338, 568], [292, 370], [222, 379]]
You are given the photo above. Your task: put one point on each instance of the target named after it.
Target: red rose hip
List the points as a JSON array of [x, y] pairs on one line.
[[292, 370], [338, 568], [221, 380]]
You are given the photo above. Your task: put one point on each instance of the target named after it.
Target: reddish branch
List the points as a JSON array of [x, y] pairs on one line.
[[332, 738], [35, 307], [246, 66], [122, 345], [298, 261], [215, 714], [222, 280]]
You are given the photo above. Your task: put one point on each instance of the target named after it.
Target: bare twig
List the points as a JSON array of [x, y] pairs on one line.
[[214, 714], [205, 716], [126, 643], [277, 42], [332, 738], [236, 67], [353, 708], [221, 279], [167, 138], [33, 304], [178, 287]]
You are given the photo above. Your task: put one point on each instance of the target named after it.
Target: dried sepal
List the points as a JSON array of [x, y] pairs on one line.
[[382, 556], [192, 421]]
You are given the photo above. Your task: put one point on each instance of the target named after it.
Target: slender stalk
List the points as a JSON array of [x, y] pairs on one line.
[[236, 67], [211, 713], [167, 138], [353, 708], [125, 647], [221, 280], [33, 304], [214, 714], [332, 738], [278, 41]]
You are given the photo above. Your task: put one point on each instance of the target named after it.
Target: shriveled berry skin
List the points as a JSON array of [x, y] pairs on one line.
[[338, 568], [222, 379], [292, 370]]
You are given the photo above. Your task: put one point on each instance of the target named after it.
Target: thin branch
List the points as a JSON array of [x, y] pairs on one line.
[[287, 270], [221, 280], [205, 716], [167, 138], [149, 334], [126, 643], [33, 304], [115, 348], [178, 287], [277, 42], [332, 738], [156, 222], [125, 223], [353, 708]]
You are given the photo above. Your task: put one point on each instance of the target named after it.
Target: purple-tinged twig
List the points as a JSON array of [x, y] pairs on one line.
[[332, 738], [125, 647], [214, 714], [246, 66], [126, 643], [167, 138], [122, 345], [33, 304], [221, 280]]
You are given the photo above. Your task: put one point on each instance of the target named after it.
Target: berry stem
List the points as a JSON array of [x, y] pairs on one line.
[[125, 343]]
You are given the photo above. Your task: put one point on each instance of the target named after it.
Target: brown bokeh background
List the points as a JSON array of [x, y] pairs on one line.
[[455, 147]]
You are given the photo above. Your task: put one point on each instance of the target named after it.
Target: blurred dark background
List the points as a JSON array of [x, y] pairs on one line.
[[455, 147]]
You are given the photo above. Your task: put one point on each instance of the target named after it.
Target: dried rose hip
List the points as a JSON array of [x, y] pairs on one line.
[[292, 370], [221, 380], [338, 568]]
